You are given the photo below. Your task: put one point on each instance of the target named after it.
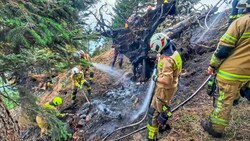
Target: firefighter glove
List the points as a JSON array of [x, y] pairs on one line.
[[80, 87], [155, 78], [211, 86], [245, 93], [164, 115]]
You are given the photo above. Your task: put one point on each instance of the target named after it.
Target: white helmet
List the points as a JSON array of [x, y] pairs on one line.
[[81, 52], [242, 4], [75, 70], [158, 41]]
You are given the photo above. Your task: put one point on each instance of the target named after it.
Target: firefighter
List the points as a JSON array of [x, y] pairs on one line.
[[116, 53], [231, 63], [168, 72], [235, 13], [44, 126], [85, 59], [79, 81], [86, 68]]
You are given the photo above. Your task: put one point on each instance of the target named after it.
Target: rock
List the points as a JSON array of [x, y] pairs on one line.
[[119, 116], [84, 112], [137, 137], [81, 122], [132, 97], [83, 116], [136, 100], [88, 118]]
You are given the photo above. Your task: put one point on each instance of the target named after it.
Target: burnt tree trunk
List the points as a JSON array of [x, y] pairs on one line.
[[133, 41], [9, 130]]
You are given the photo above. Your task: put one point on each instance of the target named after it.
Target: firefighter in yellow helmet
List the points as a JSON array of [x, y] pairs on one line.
[[168, 72], [44, 126], [231, 63], [79, 82]]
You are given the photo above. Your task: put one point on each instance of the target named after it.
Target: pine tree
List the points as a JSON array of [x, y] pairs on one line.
[[39, 36]]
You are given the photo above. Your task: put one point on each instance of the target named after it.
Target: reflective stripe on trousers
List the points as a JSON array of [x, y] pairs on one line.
[[228, 92]]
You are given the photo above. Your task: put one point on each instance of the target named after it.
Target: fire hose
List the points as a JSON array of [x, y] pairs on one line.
[[173, 110], [211, 10]]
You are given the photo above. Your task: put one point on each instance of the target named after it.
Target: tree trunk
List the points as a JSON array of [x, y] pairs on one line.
[[9, 130]]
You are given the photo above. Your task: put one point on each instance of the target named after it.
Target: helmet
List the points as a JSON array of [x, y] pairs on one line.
[[75, 70], [57, 101], [81, 52], [158, 41], [242, 4]]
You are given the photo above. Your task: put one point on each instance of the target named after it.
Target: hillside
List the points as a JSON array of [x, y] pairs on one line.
[[116, 100]]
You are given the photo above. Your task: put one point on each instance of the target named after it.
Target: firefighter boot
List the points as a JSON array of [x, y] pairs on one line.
[[152, 133], [89, 91], [208, 127]]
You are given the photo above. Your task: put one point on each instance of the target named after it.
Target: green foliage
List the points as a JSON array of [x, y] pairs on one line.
[[58, 129], [17, 36], [38, 36], [123, 10], [10, 96]]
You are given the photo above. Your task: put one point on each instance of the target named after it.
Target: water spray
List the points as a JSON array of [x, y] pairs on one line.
[[173, 110]]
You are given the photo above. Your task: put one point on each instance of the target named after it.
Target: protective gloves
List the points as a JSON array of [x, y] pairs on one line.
[[245, 93], [211, 86], [155, 78], [164, 115], [80, 87]]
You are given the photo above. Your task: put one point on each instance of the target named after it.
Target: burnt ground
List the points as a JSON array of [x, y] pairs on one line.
[[116, 100]]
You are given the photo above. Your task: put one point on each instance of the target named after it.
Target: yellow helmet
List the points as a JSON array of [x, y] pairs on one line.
[[57, 101]]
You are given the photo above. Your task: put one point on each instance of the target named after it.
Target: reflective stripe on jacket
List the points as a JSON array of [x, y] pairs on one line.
[[78, 79], [169, 68], [237, 65]]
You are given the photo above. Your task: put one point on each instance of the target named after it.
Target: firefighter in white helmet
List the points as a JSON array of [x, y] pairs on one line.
[[168, 71]]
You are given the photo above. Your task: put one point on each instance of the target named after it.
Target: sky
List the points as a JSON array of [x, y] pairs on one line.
[[110, 4]]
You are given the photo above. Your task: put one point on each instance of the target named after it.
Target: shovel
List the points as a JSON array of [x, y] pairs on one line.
[[86, 97]]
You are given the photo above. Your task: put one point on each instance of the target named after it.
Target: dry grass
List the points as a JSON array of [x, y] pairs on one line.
[[186, 123]]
